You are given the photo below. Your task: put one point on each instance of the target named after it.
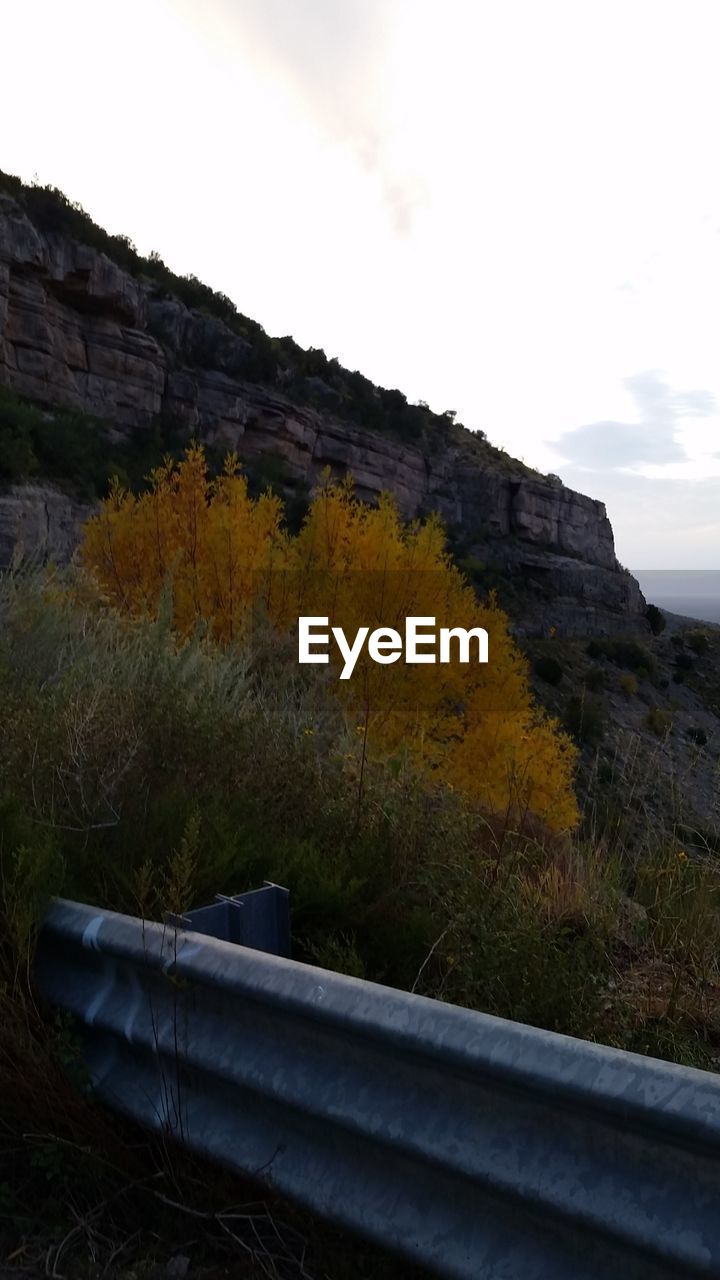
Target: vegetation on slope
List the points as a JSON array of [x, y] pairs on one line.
[[145, 767], [150, 757], [145, 774], [645, 714], [80, 455], [75, 450]]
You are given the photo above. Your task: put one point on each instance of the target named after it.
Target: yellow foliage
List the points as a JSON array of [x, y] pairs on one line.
[[474, 726]]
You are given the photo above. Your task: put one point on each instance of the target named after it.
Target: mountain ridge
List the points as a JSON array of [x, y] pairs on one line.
[[79, 331]]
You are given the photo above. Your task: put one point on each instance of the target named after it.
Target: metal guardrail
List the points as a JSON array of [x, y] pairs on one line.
[[485, 1149], [258, 919]]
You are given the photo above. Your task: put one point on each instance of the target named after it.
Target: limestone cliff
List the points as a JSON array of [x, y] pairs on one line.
[[39, 520], [77, 330]]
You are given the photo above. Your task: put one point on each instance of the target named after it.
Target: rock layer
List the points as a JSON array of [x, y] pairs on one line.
[[78, 331], [39, 520]]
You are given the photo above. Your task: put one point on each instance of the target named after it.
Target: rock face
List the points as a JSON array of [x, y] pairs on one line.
[[78, 331], [39, 520]]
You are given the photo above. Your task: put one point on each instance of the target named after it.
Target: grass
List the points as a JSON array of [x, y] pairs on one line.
[[145, 776]]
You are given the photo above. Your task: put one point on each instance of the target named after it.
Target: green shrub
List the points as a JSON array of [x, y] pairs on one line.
[[624, 653], [189, 771], [628, 653], [656, 618], [74, 449], [683, 662], [585, 720], [595, 679], [530, 948], [549, 669], [18, 459], [698, 736], [698, 642], [628, 685], [658, 721], [605, 773]]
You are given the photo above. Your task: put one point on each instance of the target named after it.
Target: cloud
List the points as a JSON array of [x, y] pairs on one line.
[[330, 54], [652, 441], [658, 524], [696, 404], [614, 445]]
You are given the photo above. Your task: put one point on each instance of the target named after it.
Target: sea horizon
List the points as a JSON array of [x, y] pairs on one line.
[[692, 593]]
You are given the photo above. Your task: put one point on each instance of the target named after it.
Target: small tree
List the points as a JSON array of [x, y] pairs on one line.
[[656, 618], [549, 669]]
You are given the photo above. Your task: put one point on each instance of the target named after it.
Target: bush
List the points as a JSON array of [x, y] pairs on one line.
[[658, 721], [683, 662], [698, 642], [595, 679], [549, 669], [189, 770], [256, 761], [698, 736], [628, 653], [18, 459], [656, 618], [628, 685], [624, 653], [74, 449], [585, 720], [513, 938], [252, 757]]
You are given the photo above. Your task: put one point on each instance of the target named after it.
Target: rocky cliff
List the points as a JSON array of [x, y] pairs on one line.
[[76, 330]]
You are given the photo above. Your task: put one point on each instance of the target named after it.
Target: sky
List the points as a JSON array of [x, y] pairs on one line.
[[505, 208]]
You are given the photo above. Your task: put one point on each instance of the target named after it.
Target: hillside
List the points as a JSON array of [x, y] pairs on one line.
[[154, 752], [108, 361], [125, 360]]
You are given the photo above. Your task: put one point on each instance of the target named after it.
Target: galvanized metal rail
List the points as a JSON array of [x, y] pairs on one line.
[[482, 1148]]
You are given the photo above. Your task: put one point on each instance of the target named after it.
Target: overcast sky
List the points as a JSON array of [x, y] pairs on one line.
[[510, 208]]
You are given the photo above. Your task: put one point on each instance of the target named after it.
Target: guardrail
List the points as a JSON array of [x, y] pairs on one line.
[[259, 919], [481, 1148]]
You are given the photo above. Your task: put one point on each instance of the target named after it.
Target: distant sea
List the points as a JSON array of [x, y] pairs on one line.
[[694, 593]]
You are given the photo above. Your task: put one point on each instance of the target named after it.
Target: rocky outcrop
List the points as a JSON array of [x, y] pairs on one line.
[[72, 326], [39, 520], [78, 331], [570, 597]]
